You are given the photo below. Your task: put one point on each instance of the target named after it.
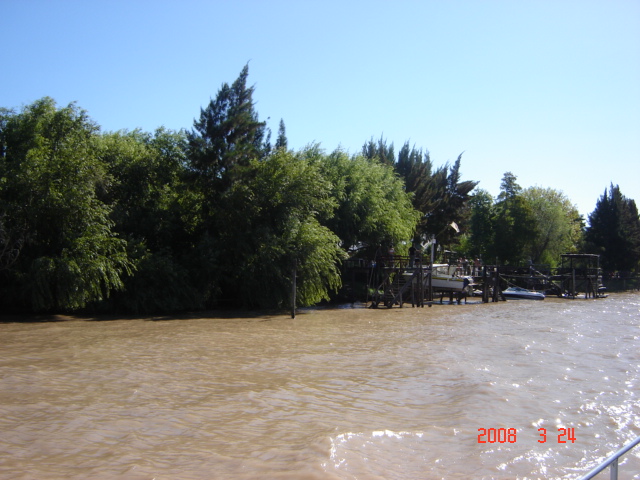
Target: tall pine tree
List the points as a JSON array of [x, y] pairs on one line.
[[281, 142], [227, 135], [614, 231], [514, 224]]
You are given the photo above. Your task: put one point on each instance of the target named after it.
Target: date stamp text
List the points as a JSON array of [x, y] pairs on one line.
[[510, 435]]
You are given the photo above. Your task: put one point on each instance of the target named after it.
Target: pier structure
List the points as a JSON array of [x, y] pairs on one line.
[[394, 279], [538, 278], [489, 283], [580, 273], [397, 279]]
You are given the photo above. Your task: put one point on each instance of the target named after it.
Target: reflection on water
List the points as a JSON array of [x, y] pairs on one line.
[[334, 393]]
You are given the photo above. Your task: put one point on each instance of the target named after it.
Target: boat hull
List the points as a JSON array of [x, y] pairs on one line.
[[448, 283], [522, 294]]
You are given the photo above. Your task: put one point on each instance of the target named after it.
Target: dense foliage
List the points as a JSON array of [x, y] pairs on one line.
[[535, 225], [437, 194], [614, 232], [133, 221], [65, 252], [216, 216]]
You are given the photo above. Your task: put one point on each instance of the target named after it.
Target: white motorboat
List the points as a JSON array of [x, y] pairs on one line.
[[522, 293], [447, 277]]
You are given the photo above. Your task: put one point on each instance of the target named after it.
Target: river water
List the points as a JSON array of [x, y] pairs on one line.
[[347, 393]]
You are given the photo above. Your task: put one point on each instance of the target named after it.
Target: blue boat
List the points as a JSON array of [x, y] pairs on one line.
[[522, 294]]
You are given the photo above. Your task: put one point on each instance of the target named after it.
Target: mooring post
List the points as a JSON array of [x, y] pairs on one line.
[[485, 285], [433, 241], [421, 283], [293, 288]]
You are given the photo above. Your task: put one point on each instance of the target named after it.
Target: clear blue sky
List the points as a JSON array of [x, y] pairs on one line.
[[549, 90]]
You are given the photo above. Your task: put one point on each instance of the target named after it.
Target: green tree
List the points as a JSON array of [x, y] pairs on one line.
[[281, 141], [273, 224], [12, 230], [157, 216], [514, 224], [438, 194], [614, 231], [414, 166], [379, 151], [509, 187], [227, 135], [426, 185], [558, 225], [225, 142], [11, 239], [50, 181], [450, 204], [148, 173], [481, 224], [373, 206]]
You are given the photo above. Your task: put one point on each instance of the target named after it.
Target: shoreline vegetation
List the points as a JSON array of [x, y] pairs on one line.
[[221, 216]]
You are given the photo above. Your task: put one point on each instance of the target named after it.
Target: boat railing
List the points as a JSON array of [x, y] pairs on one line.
[[611, 461]]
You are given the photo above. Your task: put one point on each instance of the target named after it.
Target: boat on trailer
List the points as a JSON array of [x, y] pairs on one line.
[[522, 294]]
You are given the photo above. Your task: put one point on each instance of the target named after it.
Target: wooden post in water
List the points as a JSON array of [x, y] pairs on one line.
[[421, 282], [433, 241], [496, 284], [413, 288], [485, 285], [293, 288]]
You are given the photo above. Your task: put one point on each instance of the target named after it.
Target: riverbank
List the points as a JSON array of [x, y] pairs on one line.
[[25, 317]]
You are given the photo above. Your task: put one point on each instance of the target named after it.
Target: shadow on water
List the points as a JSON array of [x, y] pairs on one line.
[[25, 317], [31, 318], [259, 315]]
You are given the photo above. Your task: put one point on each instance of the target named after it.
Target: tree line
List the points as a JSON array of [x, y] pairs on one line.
[[219, 216]]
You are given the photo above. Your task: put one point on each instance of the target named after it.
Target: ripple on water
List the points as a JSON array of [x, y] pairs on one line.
[[347, 393]]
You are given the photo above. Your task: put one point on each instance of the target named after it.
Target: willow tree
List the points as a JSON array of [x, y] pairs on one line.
[[273, 229], [373, 207], [304, 210], [50, 184], [155, 213]]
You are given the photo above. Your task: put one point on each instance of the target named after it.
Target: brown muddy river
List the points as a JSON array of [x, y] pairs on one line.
[[347, 393]]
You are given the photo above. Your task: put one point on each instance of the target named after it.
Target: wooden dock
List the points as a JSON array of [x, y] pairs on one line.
[[396, 280]]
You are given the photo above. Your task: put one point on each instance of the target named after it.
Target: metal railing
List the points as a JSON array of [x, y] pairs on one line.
[[611, 461]]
